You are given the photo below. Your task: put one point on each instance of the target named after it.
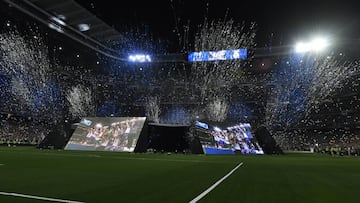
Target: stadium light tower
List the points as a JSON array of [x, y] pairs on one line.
[[315, 45]]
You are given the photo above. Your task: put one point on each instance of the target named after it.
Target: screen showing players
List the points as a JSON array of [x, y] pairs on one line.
[[107, 134], [230, 140]]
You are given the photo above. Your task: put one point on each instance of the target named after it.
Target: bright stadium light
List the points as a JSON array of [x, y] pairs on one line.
[[316, 45], [56, 27], [58, 20], [83, 27], [302, 47], [139, 58], [319, 44]]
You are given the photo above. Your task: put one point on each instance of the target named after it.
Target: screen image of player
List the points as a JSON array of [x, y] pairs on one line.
[[107, 134], [231, 140]]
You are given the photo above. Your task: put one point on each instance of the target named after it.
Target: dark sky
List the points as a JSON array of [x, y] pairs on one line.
[[287, 20]]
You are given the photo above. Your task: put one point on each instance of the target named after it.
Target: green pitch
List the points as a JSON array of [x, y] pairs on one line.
[[127, 177]]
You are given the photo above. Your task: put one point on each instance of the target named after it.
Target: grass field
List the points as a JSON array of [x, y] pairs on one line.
[[127, 177]]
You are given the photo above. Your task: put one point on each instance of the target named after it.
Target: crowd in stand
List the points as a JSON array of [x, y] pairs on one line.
[[334, 145], [338, 151], [21, 131]]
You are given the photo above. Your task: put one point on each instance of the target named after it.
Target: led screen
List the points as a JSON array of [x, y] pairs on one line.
[[217, 55], [230, 140], [107, 134]]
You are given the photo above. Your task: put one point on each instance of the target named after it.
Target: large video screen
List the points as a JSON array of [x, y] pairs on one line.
[[107, 134], [230, 140], [217, 55]]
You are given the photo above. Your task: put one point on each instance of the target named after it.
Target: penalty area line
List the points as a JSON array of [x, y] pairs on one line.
[[215, 184], [38, 197]]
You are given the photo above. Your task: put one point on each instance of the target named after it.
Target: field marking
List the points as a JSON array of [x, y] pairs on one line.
[[120, 157], [2, 164], [214, 185], [37, 197]]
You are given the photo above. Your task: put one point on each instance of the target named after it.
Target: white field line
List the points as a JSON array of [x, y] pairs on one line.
[[37, 197], [214, 185]]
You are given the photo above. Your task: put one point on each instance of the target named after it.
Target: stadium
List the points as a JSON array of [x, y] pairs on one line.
[[178, 101]]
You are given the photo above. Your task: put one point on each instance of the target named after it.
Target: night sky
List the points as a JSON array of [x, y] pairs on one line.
[[285, 21]]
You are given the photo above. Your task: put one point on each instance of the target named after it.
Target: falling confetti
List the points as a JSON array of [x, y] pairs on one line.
[[81, 102], [152, 108], [25, 61]]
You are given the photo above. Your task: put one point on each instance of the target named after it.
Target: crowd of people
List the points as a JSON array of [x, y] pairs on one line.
[[21, 131]]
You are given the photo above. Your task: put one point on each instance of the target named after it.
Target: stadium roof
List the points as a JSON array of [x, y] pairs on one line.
[[72, 20], [75, 15]]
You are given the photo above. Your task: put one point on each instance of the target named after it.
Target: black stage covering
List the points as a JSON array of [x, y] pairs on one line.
[[57, 137], [168, 138], [267, 142], [142, 143]]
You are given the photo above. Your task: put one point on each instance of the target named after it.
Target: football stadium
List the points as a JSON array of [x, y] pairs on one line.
[[179, 101]]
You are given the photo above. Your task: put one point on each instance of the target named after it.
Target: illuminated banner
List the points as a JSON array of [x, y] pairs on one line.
[[217, 55]]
